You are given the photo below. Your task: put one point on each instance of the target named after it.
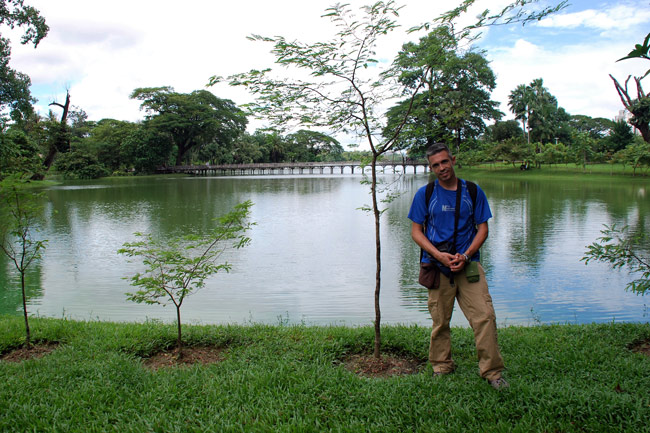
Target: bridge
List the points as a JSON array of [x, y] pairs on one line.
[[293, 168]]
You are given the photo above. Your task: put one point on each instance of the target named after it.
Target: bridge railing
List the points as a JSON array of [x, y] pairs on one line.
[[288, 166]]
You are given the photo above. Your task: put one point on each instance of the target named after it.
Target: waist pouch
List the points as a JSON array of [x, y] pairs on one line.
[[429, 276], [471, 272]]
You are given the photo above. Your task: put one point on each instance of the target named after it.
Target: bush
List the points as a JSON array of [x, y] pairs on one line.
[[80, 164]]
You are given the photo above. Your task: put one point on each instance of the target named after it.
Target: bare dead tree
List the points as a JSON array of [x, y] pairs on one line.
[[638, 105], [58, 140]]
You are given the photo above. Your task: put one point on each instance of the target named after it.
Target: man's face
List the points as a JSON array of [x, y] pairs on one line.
[[442, 165]]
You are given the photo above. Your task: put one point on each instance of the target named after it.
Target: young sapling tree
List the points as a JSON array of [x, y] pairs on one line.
[[19, 214], [178, 267], [339, 85], [622, 249]]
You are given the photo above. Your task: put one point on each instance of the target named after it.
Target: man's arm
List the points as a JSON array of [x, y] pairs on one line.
[[458, 261], [417, 233]]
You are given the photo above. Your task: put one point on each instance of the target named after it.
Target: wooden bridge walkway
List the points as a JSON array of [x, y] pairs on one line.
[[293, 168]]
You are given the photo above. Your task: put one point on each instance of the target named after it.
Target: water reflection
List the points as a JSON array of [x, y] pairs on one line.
[[312, 254]]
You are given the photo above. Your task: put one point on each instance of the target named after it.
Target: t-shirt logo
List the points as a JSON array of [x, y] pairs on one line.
[[447, 208]]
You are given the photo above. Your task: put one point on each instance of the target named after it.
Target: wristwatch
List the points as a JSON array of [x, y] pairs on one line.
[[466, 257]]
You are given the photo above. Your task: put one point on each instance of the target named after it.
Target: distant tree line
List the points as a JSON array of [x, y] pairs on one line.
[[455, 106]]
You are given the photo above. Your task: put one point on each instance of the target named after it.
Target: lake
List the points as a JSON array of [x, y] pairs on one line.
[[311, 259]]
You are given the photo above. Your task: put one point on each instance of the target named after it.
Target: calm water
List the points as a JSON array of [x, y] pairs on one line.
[[312, 254]]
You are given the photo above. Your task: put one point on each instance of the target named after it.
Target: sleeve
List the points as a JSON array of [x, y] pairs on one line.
[[482, 211], [418, 211]]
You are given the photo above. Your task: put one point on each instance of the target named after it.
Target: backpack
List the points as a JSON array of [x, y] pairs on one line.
[[471, 188]]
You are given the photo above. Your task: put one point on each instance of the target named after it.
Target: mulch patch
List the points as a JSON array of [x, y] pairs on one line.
[[642, 346], [191, 355], [367, 365], [34, 351]]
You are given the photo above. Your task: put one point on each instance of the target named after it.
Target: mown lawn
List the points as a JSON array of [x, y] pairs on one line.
[[564, 378]]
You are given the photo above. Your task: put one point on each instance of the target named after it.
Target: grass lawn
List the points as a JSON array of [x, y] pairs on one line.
[[563, 378], [560, 171]]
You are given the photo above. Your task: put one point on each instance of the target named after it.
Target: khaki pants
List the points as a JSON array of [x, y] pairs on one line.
[[476, 303]]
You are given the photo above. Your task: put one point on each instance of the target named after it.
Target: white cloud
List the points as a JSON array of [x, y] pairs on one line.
[[577, 75], [618, 16], [103, 50]]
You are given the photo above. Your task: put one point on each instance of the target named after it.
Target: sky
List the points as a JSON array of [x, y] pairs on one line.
[[101, 51]]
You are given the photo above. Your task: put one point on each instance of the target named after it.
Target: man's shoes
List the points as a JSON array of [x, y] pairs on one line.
[[499, 383]]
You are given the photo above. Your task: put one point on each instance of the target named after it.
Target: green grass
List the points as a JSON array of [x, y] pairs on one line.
[[564, 378], [560, 171]]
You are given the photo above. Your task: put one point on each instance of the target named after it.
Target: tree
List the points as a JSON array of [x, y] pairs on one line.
[[317, 145], [638, 105], [107, 140], [14, 85], [80, 164], [147, 148], [19, 214], [539, 113], [342, 90], [58, 139], [18, 153], [504, 130], [584, 148], [177, 268], [598, 128], [636, 154], [622, 249], [620, 137], [456, 100], [520, 103], [192, 119]]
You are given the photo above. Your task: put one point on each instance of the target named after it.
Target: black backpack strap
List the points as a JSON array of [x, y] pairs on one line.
[[427, 198], [428, 194], [472, 189]]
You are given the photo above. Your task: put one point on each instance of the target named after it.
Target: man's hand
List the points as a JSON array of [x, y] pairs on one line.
[[457, 262]]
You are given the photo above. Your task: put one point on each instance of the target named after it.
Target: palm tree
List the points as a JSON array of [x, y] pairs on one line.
[[519, 102]]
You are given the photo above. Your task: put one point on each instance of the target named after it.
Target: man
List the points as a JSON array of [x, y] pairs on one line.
[[435, 226]]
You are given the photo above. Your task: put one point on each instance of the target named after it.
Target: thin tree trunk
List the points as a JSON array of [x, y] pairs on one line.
[[179, 341], [375, 209], [28, 338]]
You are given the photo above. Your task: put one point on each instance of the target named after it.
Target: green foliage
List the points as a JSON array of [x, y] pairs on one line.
[[176, 268], [191, 120], [14, 85], [622, 249], [146, 149], [18, 153], [19, 215], [80, 164], [513, 150], [500, 131], [620, 137], [519, 11], [640, 51], [456, 97], [637, 155], [538, 111]]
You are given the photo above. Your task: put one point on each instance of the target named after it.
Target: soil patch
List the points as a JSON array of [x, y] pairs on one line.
[[34, 351], [642, 346], [191, 355], [386, 366]]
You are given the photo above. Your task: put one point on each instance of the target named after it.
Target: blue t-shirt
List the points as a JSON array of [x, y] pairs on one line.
[[440, 225]]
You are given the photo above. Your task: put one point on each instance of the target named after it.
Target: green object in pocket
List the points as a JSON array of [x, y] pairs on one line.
[[471, 272]]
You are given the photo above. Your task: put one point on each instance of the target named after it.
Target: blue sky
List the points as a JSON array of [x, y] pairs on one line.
[[101, 51]]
